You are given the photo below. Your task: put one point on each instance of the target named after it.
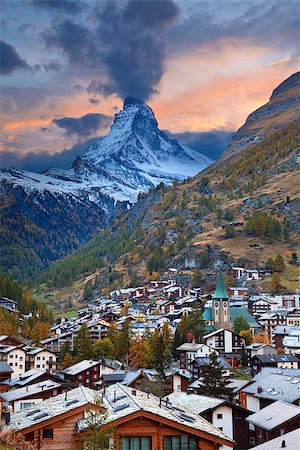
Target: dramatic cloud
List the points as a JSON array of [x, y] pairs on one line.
[[211, 144], [64, 6], [83, 126], [10, 60], [128, 41]]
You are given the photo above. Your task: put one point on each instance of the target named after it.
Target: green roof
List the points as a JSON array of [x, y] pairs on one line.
[[235, 311], [220, 289]]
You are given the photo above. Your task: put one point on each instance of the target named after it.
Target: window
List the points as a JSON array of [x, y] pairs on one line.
[[26, 405], [38, 358], [219, 416], [183, 442], [136, 443], [21, 358], [47, 433]]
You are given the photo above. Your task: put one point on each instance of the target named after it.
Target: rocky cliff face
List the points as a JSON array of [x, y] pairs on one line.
[[282, 108]]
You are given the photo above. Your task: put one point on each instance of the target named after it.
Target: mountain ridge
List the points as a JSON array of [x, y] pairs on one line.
[[132, 158]]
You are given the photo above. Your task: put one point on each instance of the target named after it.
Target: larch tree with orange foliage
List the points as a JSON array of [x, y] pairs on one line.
[[261, 338], [139, 354]]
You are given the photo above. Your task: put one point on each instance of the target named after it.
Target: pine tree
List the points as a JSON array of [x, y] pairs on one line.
[[96, 438], [213, 383], [279, 263], [104, 348], [160, 351], [83, 348], [275, 283]]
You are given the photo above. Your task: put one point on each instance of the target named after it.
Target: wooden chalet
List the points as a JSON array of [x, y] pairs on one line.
[[140, 420]]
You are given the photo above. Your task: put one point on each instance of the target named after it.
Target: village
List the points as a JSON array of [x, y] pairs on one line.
[[250, 341]]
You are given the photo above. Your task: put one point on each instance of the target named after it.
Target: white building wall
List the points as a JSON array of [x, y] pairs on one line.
[[225, 423], [16, 360], [252, 403], [41, 360], [20, 405]]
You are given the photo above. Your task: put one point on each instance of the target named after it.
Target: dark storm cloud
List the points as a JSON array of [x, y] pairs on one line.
[[84, 126], [211, 143], [10, 60], [127, 39], [37, 162], [64, 6]]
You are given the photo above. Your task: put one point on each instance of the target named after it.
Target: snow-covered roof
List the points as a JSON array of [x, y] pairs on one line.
[[80, 367], [194, 402], [272, 416], [30, 390], [291, 442]]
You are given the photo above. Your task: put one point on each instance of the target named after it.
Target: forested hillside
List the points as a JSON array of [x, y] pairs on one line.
[[216, 214]]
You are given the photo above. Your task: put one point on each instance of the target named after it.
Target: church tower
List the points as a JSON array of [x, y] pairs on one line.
[[220, 305]]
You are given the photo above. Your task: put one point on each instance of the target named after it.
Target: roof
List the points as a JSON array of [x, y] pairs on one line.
[[276, 386], [52, 407], [290, 439], [196, 403], [189, 347], [236, 385], [277, 358], [234, 313], [257, 346], [220, 291], [204, 361], [126, 378], [5, 368], [80, 367], [123, 401], [282, 371], [30, 390], [274, 415], [284, 329]]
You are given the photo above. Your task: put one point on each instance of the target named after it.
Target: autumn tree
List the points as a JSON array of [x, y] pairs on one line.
[[261, 338], [67, 361], [247, 335], [279, 263], [139, 354], [39, 331]]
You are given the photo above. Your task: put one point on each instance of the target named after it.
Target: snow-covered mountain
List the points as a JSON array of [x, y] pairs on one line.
[[132, 158]]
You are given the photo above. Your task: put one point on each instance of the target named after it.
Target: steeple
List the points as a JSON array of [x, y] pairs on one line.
[[220, 291], [220, 305]]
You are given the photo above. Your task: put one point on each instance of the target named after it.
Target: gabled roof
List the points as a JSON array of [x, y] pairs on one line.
[[28, 391], [123, 402], [291, 442], [196, 403], [189, 347], [220, 291], [274, 386], [80, 367], [277, 358], [52, 407], [5, 368], [274, 415], [204, 361]]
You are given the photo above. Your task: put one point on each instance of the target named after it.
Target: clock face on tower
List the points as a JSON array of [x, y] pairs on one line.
[[216, 304], [225, 304]]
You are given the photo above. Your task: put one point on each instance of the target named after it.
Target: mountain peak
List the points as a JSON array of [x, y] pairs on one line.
[[129, 101]]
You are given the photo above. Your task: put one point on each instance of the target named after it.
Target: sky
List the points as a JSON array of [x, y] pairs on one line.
[[203, 67]]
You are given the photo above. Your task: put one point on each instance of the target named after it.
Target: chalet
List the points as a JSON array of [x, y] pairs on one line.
[[10, 341], [225, 416], [8, 304], [180, 379], [280, 332], [225, 341], [40, 358], [25, 397], [33, 376], [274, 420], [258, 349], [189, 351], [199, 363], [261, 305], [271, 387], [269, 321], [15, 357], [293, 318], [140, 420], [292, 342], [131, 378], [86, 372], [238, 291], [279, 361], [288, 441], [248, 275]]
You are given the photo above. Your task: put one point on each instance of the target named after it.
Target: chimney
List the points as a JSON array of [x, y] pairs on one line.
[[259, 389], [115, 395], [133, 392], [283, 444]]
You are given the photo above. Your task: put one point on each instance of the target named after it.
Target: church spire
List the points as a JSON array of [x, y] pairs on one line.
[[220, 292]]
